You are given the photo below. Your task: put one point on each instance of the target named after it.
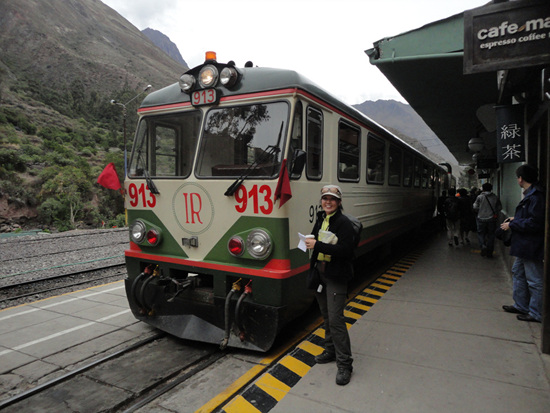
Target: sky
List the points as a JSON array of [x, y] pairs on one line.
[[322, 40]]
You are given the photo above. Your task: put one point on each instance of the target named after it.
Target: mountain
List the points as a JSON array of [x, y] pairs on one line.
[[163, 42], [61, 64], [56, 43], [402, 120]]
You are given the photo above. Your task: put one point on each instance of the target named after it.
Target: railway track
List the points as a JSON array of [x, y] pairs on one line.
[[82, 385], [31, 290], [38, 266]]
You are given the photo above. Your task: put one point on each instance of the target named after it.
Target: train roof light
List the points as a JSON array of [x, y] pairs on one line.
[[187, 82], [210, 56], [208, 76], [236, 246], [258, 244], [228, 76]]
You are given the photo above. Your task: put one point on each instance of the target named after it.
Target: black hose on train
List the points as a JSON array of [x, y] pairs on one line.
[[133, 290], [238, 323], [234, 289]]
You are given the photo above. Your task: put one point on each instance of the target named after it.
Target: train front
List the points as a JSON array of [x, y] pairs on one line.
[[209, 243]]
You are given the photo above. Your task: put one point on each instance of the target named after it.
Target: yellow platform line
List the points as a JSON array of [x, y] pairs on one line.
[[395, 272], [311, 348], [240, 405], [320, 332], [351, 314], [295, 365], [373, 292], [272, 386], [359, 306], [367, 299], [383, 287]]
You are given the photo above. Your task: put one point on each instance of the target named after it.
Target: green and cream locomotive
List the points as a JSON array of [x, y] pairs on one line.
[[225, 171]]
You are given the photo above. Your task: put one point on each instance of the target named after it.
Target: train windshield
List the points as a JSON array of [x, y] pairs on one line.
[[165, 145], [243, 141]]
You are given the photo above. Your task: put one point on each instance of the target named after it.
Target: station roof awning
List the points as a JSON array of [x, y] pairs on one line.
[[426, 66]]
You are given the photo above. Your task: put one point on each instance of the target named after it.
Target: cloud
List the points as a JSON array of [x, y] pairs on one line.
[[324, 40]]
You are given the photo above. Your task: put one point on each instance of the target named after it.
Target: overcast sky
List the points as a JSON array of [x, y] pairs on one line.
[[323, 40]]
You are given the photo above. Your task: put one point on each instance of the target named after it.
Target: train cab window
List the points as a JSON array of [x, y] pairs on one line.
[[165, 145], [425, 176], [417, 173], [243, 141], [296, 136], [395, 166], [314, 142], [376, 156], [348, 152], [408, 170]]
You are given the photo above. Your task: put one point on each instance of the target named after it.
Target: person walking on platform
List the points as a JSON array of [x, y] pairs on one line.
[[332, 260], [488, 207], [467, 217], [527, 226], [441, 210], [452, 217]]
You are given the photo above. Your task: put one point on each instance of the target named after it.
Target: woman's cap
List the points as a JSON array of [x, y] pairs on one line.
[[333, 190]]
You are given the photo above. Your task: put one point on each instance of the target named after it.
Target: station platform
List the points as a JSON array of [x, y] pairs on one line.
[[437, 341]]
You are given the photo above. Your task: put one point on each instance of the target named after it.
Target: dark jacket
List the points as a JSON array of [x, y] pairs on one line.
[[528, 226], [340, 265]]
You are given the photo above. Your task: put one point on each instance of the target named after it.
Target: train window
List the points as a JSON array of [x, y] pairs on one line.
[[314, 142], [243, 140], [425, 176], [417, 173], [395, 165], [165, 145], [296, 135], [376, 156], [348, 152], [408, 170]]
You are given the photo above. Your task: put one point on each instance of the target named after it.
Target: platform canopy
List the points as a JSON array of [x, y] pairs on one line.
[[426, 66]]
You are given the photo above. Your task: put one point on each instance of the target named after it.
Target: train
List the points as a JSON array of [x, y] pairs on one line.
[[225, 172]]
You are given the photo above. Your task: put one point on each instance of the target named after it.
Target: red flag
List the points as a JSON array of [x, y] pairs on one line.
[[283, 186], [109, 178]]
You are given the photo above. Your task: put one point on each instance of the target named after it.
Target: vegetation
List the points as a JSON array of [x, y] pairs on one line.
[[52, 166]]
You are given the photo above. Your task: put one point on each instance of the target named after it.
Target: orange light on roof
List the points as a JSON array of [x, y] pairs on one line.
[[210, 56]]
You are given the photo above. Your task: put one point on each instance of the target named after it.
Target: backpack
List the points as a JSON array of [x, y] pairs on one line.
[[451, 208], [357, 228]]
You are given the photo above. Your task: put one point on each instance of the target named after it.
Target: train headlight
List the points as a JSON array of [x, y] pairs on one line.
[[228, 76], [153, 237], [208, 76], [137, 231], [186, 82], [236, 246], [258, 244]]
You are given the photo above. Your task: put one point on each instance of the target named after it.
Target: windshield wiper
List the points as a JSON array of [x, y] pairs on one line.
[[152, 187], [269, 151]]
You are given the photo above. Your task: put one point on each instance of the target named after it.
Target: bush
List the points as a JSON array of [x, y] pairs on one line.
[[17, 119], [11, 160]]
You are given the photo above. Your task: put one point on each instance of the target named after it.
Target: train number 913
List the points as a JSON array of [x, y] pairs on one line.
[[141, 196], [261, 199]]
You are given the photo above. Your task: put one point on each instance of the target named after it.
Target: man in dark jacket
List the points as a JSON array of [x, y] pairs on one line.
[[527, 227], [332, 258]]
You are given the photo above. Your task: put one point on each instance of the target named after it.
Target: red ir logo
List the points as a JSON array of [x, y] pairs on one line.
[[193, 208]]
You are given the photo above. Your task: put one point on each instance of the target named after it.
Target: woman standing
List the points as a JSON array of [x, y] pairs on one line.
[[332, 258]]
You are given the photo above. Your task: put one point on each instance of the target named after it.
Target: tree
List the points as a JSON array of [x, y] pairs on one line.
[[71, 188]]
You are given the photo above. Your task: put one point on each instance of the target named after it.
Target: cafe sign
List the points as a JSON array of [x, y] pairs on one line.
[[506, 36]]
